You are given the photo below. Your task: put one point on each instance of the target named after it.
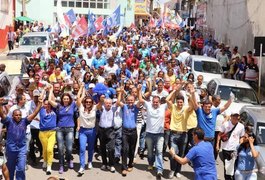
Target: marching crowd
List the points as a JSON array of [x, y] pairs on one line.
[[121, 97]]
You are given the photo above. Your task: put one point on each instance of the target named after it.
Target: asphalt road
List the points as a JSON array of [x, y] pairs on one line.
[[139, 172]]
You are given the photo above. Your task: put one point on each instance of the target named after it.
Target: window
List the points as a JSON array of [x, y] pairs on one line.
[[99, 5], [78, 3], [64, 4], [92, 5], [55, 3], [85, 5], [71, 4]]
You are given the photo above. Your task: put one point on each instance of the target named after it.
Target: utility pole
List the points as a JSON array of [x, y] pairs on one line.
[[24, 13], [151, 6]]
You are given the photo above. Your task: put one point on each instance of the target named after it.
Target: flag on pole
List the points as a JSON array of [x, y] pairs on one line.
[[116, 16], [91, 23], [98, 23], [71, 16], [80, 29], [61, 21]]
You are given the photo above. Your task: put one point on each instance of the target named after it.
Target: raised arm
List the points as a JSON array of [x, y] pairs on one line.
[[100, 103], [140, 97], [254, 152], [139, 90], [120, 93], [80, 95], [193, 99], [169, 98], [50, 99], [149, 92], [2, 114], [36, 111], [228, 103]]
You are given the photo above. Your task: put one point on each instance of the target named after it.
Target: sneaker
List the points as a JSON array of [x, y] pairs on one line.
[[49, 170], [159, 176], [81, 171], [112, 169], [103, 167], [89, 165], [130, 169], [124, 173], [141, 154], [44, 165], [171, 175], [61, 170], [150, 168], [178, 175], [71, 164]]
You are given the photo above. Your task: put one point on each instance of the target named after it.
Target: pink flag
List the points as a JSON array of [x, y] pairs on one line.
[[152, 22], [80, 29], [98, 23], [67, 20]]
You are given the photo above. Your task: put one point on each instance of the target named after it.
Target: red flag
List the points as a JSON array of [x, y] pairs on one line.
[[152, 22], [67, 20], [80, 29], [98, 23]]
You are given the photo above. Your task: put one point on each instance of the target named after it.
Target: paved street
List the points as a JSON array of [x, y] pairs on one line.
[[139, 172]]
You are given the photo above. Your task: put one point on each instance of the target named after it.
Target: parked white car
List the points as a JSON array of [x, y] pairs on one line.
[[31, 41], [202, 65], [244, 94]]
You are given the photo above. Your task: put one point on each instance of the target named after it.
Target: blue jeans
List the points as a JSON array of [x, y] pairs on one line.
[[142, 137], [155, 142], [118, 142], [65, 136], [16, 162], [178, 142], [87, 137], [245, 176]]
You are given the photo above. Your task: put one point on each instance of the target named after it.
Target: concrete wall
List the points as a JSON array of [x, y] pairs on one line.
[[237, 22]]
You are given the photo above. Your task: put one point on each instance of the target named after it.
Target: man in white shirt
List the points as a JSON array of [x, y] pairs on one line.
[[111, 67], [229, 147], [155, 132], [11, 36]]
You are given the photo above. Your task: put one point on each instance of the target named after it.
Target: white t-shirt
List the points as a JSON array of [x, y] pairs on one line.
[[155, 118], [163, 93], [87, 120], [109, 69], [232, 143]]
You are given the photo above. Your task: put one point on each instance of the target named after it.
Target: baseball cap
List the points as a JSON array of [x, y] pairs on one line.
[[36, 92], [91, 85]]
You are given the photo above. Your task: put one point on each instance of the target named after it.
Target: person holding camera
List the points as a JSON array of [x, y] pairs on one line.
[[246, 155], [231, 133]]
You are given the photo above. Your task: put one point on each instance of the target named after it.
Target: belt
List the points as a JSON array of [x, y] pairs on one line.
[[248, 171], [106, 128], [178, 132], [208, 139], [129, 129]]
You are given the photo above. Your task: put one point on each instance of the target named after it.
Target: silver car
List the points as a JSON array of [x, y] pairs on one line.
[[255, 116]]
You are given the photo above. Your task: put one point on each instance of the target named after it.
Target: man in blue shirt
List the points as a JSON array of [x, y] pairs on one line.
[[206, 115], [201, 156], [16, 140], [129, 132], [98, 61]]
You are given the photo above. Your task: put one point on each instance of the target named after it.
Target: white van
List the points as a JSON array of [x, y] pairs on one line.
[[209, 67]]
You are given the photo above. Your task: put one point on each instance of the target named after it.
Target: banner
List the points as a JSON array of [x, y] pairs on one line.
[[80, 29]]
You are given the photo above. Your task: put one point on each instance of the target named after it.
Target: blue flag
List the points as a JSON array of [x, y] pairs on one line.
[[71, 15], [91, 18], [116, 16]]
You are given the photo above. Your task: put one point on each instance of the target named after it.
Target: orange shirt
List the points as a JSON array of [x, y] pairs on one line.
[[167, 119]]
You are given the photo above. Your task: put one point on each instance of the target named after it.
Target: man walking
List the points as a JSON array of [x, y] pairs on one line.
[[11, 36]]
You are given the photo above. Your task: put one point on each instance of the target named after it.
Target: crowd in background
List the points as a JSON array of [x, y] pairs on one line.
[[121, 97]]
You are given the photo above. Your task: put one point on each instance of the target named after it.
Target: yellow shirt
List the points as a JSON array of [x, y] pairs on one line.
[[53, 77], [178, 119], [191, 119]]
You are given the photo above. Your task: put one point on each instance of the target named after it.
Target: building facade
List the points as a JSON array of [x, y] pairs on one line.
[[45, 10]]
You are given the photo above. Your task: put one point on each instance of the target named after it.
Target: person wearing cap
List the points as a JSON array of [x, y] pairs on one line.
[[229, 147], [16, 148], [34, 127]]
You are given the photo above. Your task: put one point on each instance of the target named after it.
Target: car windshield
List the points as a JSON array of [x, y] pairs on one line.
[[241, 94], [260, 134], [33, 40], [207, 67]]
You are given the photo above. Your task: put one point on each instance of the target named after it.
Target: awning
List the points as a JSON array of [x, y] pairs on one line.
[[24, 18]]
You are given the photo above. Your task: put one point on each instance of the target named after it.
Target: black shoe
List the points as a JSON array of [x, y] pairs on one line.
[[141, 154], [159, 176], [117, 160], [48, 172]]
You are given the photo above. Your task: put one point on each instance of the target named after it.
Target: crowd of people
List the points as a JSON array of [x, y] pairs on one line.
[[121, 97]]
